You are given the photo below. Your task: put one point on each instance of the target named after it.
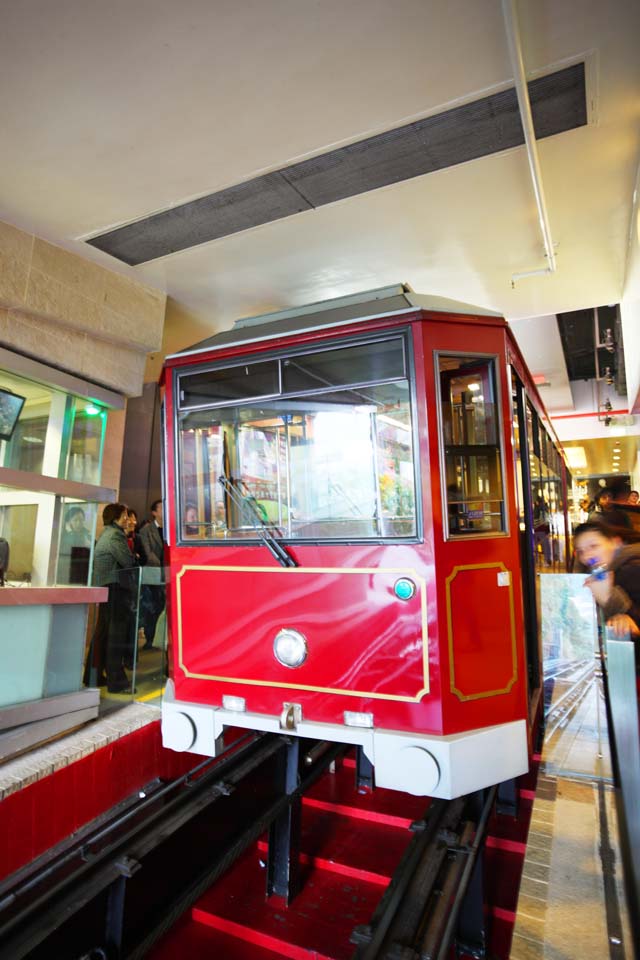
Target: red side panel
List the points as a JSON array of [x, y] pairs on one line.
[[361, 638]]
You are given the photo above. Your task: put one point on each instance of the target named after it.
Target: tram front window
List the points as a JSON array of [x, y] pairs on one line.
[[334, 463]]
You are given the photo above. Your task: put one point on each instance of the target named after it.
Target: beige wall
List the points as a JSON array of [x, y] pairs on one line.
[[181, 330], [72, 313]]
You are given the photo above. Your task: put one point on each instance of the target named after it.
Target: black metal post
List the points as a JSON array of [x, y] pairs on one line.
[[114, 921], [283, 878], [471, 933], [507, 798], [365, 779], [471, 928]]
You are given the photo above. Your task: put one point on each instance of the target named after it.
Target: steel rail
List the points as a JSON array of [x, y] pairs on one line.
[[370, 939], [251, 835], [462, 887], [417, 916], [97, 870]]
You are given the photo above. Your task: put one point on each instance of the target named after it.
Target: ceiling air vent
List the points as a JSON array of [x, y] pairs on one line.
[[473, 130]]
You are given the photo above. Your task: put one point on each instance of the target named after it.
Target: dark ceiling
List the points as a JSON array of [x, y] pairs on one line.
[[577, 333]]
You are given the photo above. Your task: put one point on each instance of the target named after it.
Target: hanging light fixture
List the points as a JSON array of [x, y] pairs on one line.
[[604, 412]]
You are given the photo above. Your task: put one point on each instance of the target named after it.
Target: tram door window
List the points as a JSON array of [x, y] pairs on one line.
[[328, 455], [470, 423]]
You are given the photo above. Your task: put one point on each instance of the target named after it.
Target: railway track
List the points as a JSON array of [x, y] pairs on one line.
[[571, 686], [367, 874]]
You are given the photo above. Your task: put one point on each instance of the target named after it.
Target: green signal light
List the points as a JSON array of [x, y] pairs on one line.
[[404, 588]]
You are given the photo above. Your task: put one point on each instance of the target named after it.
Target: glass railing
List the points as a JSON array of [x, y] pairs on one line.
[[127, 647], [621, 696], [151, 672], [575, 738]]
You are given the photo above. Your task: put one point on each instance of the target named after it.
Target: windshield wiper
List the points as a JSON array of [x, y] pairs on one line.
[[248, 508]]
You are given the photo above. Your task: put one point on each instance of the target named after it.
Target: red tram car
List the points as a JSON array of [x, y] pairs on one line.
[[350, 491]]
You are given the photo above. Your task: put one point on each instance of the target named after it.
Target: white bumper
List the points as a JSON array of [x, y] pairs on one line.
[[424, 765]]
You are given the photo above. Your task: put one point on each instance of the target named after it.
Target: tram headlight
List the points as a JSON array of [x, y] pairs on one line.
[[290, 647]]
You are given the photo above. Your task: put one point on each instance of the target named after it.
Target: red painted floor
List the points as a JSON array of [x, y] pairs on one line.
[[351, 844]]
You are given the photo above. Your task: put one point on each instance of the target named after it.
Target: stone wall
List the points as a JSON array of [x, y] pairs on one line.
[[74, 314]]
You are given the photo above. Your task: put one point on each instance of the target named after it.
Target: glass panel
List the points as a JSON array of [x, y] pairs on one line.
[[18, 519], [32, 445], [329, 466], [532, 431], [113, 649], [544, 452], [517, 456], [361, 363], [56, 434], [470, 426], [151, 665], [229, 383], [575, 742], [75, 544], [25, 450], [83, 458], [45, 539], [63, 672], [23, 663]]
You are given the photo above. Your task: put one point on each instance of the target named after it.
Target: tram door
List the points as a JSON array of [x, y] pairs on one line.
[[525, 522]]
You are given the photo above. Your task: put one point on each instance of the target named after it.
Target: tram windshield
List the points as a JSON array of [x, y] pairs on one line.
[[327, 456]]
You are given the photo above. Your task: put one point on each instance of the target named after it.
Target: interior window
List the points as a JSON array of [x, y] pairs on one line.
[[471, 445]]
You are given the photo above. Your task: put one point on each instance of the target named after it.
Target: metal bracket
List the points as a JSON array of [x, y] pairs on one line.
[[361, 935], [222, 789], [291, 716], [127, 866]]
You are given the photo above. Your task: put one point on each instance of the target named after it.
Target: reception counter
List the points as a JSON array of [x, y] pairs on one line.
[[43, 631]]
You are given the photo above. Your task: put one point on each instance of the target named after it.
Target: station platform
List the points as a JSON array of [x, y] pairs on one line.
[[52, 791], [571, 904]]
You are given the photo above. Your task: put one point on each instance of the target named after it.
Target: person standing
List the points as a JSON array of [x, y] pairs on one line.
[[614, 556], [110, 639], [153, 598]]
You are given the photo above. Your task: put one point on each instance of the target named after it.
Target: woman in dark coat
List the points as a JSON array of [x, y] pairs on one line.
[[111, 636]]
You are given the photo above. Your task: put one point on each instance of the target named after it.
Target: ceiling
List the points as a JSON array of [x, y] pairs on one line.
[[124, 109], [600, 456]]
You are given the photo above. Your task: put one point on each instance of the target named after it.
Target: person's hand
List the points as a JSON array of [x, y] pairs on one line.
[[600, 588], [622, 624]]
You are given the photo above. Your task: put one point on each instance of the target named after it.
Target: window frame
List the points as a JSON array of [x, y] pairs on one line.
[[495, 369], [402, 333]]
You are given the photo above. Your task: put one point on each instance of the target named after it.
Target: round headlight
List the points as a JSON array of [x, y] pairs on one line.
[[290, 648]]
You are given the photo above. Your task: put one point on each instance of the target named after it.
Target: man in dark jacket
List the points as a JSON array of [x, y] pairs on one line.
[[616, 586], [152, 596]]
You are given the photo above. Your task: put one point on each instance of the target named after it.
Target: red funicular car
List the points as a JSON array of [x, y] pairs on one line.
[[343, 538]]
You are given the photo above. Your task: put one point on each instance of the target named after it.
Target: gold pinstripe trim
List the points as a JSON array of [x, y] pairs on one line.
[[514, 657], [292, 571]]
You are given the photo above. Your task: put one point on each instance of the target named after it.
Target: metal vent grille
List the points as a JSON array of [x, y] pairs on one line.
[[478, 129]]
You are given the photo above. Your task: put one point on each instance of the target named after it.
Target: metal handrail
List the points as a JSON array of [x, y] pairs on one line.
[[619, 682]]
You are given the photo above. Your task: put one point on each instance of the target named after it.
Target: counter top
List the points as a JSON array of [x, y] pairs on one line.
[[26, 596]]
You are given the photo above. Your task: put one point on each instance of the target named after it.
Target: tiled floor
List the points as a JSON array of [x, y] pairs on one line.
[[42, 761], [149, 679]]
